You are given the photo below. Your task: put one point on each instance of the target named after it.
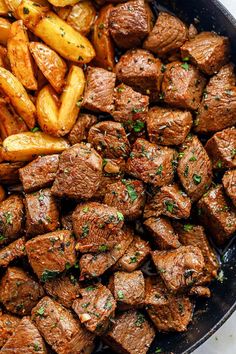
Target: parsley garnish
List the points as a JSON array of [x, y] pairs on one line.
[[140, 320], [197, 179], [120, 216], [120, 294], [188, 227], [185, 66], [130, 189], [40, 311], [103, 248], [138, 126], [85, 231], [159, 170], [169, 206]]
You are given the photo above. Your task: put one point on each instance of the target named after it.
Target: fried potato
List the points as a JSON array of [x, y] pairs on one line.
[[3, 8], [82, 17], [10, 122], [4, 62], [5, 26], [26, 146], [18, 96], [9, 172], [47, 111], [50, 63], [13, 5], [62, 3]]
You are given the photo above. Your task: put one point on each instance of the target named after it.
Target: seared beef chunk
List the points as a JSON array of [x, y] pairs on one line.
[[129, 23], [99, 90], [25, 339], [113, 167], [168, 34], [127, 196], [169, 201], [179, 268], [131, 333], [9, 172], [139, 69], [19, 293], [182, 85], [64, 289], [194, 168], [167, 126], [162, 232], [151, 163], [14, 250], [191, 235], [229, 183], [11, 218], [60, 329], [217, 215], [95, 308], [208, 51], [218, 107], [168, 312], [221, 149], [95, 226], [39, 173], [51, 253], [80, 130], [107, 179], [79, 173], [192, 31], [200, 291], [66, 221], [8, 324], [95, 265], [109, 139], [42, 214]]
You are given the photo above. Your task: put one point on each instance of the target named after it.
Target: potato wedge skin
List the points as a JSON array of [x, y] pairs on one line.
[[62, 3], [14, 4], [5, 26], [82, 17]]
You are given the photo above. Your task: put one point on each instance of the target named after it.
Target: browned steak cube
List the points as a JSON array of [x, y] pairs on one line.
[[221, 149], [162, 233], [79, 172], [208, 51], [39, 173], [168, 34], [99, 90], [95, 308], [129, 23], [127, 196], [8, 324], [179, 268], [200, 291], [218, 107], [182, 85], [64, 289], [107, 179], [168, 126], [113, 168], [19, 293], [42, 213], [80, 130], [217, 215], [131, 333], [168, 312], [51, 254], [60, 329], [194, 168], [169, 201], [25, 339], [66, 221], [109, 139], [151, 163], [11, 219], [9, 172], [14, 250], [229, 183], [192, 31]]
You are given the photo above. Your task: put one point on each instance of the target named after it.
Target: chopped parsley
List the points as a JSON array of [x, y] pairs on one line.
[[8, 216], [2, 238], [40, 311], [36, 347], [197, 179], [169, 206], [120, 294], [130, 189], [185, 59], [193, 158], [85, 209], [185, 66], [120, 216], [186, 171], [133, 259], [90, 288], [140, 320], [159, 170], [219, 164], [220, 277], [35, 129], [103, 248], [158, 350], [48, 274], [85, 231], [188, 227], [138, 126], [25, 10], [85, 305]]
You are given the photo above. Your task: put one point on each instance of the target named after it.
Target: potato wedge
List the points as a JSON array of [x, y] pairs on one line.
[[9, 172], [20, 57], [10, 122], [62, 3], [13, 5], [47, 112], [3, 8], [82, 17], [5, 26], [26, 146], [18, 96], [4, 62], [50, 63]]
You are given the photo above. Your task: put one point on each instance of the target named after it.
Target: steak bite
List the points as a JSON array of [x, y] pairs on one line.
[[95, 226], [162, 233], [221, 149], [8, 324], [129, 23], [99, 90], [66, 221], [19, 293], [229, 183], [79, 173], [95, 308], [60, 329], [51, 254], [168, 34], [217, 215], [168, 126], [80, 130], [194, 168], [208, 51], [151, 163], [131, 333], [127, 196], [200, 291], [168, 312], [179, 268], [14, 250], [39, 173], [42, 214], [183, 85]]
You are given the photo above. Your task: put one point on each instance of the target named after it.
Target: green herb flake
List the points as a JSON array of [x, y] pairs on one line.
[[197, 179], [103, 248], [163, 68], [49, 274], [40, 311], [233, 153], [90, 288], [158, 350], [140, 320], [188, 227], [25, 10], [85, 231], [185, 66], [138, 126], [120, 216], [35, 129], [133, 259], [85, 305], [159, 170], [185, 59], [221, 277], [2, 238], [169, 206], [193, 158], [79, 102], [186, 171], [36, 347], [8, 216], [101, 26], [120, 294], [85, 209], [130, 189]]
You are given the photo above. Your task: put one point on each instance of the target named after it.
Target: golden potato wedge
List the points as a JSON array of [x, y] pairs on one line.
[[2, 193], [3, 8], [26, 146], [63, 12], [82, 17], [47, 111], [9, 172], [50, 63], [13, 5], [10, 122], [5, 26], [20, 57], [4, 61], [18, 96], [62, 3]]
